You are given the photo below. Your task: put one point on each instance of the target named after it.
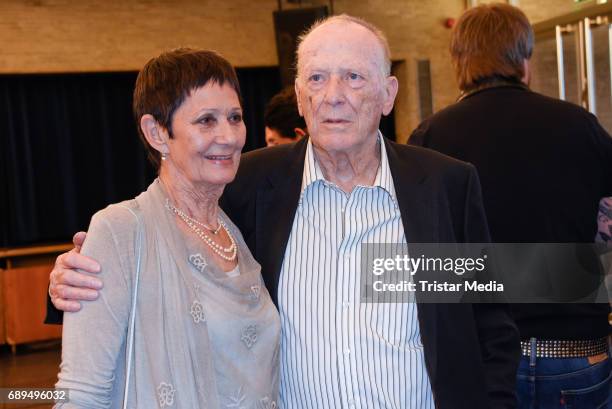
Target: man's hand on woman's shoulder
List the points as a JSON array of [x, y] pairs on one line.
[[67, 286]]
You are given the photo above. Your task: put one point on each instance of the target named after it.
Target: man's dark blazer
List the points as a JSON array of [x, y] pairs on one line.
[[544, 164], [471, 351]]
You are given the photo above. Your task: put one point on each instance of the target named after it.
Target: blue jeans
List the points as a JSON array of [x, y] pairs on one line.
[[564, 383]]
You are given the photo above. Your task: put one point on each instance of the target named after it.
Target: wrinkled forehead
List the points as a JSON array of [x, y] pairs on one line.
[[341, 45]]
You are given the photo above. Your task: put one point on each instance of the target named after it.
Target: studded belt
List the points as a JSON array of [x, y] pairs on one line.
[[547, 348]]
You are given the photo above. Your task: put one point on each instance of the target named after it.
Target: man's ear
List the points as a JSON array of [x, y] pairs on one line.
[[297, 96], [526, 72], [299, 133], [391, 86], [155, 134]]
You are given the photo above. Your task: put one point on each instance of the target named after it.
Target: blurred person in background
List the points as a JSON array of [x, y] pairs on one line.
[[604, 221], [283, 122], [544, 165]]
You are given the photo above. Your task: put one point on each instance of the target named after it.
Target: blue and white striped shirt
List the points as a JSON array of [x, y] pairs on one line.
[[336, 351]]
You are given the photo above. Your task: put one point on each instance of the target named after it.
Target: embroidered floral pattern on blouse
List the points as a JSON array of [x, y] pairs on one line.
[[198, 262], [165, 394], [237, 401], [197, 312], [249, 335], [255, 290], [267, 403]]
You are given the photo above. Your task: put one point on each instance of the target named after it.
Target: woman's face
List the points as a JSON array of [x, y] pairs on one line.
[[208, 135]]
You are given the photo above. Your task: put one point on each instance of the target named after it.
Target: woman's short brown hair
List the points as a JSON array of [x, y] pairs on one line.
[[490, 41], [165, 81]]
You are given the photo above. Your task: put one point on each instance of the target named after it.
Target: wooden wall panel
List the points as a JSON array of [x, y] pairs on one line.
[[25, 303], [2, 313]]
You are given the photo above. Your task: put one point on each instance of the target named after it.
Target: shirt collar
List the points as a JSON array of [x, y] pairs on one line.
[[313, 173]]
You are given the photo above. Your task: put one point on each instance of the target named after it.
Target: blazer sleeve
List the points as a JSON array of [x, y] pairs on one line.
[[54, 316], [497, 332], [602, 146]]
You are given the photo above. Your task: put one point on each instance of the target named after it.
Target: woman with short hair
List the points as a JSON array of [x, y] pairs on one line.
[[205, 330]]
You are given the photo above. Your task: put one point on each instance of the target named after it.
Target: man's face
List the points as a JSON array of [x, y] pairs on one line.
[[341, 89]]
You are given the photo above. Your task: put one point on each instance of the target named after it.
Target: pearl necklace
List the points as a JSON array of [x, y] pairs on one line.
[[221, 251], [184, 216]]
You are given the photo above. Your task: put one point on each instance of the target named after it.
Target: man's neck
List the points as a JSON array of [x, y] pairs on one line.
[[350, 169]]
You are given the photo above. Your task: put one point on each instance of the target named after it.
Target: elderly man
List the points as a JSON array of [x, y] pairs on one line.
[[304, 210]]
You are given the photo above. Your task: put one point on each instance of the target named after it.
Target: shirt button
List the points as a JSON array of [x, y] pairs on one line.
[[347, 351]]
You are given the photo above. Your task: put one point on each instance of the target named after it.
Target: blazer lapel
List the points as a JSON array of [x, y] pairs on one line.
[[415, 197], [418, 208], [275, 210]]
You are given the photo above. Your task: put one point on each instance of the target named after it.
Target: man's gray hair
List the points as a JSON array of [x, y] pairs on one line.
[[382, 39]]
